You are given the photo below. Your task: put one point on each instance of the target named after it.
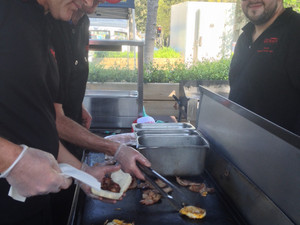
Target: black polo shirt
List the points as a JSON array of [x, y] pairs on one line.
[[71, 43], [265, 75], [28, 87]]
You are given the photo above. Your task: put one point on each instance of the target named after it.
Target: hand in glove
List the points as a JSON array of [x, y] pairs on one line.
[[125, 138], [127, 157], [99, 173], [35, 172]]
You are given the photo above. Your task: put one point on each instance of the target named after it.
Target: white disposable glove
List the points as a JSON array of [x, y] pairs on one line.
[[35, 172], [125, 138], [99, 173], [127, 157]]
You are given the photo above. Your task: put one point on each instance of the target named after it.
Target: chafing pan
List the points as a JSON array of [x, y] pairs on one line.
[[177, 161], [161, 126], [170, 140], [183, 132]]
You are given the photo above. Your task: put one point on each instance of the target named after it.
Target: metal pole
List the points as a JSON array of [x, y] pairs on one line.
[[140, 80]]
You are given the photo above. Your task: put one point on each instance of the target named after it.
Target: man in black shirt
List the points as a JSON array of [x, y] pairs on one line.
[[71, 44], [265, 70], [71, 40], [28, 88]]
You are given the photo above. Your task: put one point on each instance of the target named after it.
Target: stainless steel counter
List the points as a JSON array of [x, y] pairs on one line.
[[116, 45], [256, 162]]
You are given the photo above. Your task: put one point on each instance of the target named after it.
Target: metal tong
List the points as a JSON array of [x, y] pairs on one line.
[[177, 199]]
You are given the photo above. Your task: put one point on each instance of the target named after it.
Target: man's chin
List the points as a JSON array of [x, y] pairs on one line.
[[65, 16], [259, 20]]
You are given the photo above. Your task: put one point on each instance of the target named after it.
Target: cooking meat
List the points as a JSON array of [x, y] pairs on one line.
[[144, 185], [150, 197], [133, 184], [119, 177], [198, 188], [195, 187], [185, 183], [202, 189], [110, 185], [160, 183], [150, 194], [167, 189]]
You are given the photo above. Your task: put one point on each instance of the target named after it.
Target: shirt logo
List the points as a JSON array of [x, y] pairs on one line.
[[52, 52], [271, 41], [269, 44]]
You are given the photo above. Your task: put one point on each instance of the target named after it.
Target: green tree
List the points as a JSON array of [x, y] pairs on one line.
[[295, 4], [164, 15], [141, 15]]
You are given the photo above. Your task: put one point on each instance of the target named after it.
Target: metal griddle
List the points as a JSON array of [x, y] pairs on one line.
[[247, 164], [93, 212]]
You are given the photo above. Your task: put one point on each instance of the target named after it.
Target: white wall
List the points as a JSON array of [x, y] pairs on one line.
[[215, 24]]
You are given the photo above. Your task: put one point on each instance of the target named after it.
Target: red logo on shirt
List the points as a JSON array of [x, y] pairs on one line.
[[270, 43], [87, 48], [271, 40], [52, 52], [265, 49]]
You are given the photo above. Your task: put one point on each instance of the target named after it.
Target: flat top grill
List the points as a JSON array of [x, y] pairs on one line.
[[262, 194], [94, 212]]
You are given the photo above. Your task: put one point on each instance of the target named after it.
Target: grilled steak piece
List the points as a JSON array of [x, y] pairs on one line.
[[150, 197], [109, 185]]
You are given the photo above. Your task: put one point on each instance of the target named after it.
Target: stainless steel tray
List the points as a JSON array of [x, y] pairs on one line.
[[183, 132], [177, 161], [161, 126], [170, 140], [111, 109]]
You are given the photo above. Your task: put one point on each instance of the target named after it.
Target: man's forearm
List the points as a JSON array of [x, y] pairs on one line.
[[64, 156], [74, 133], [8, 153]]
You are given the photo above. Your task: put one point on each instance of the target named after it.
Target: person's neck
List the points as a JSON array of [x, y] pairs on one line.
[[44, 3], [259, 29], [77, 16]]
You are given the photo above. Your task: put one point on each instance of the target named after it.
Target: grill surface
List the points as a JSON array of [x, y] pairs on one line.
[[258, 193], [94, 212]]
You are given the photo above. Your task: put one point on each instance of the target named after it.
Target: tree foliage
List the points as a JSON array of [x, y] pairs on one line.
[[141, 15], [164, 12], [169, 73], [295, 4], [162, 18], [164, 15]]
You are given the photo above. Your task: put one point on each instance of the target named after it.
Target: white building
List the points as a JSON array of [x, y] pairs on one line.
[[202, 30]]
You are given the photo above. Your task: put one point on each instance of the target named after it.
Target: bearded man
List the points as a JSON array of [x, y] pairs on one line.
[[264, 73]]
